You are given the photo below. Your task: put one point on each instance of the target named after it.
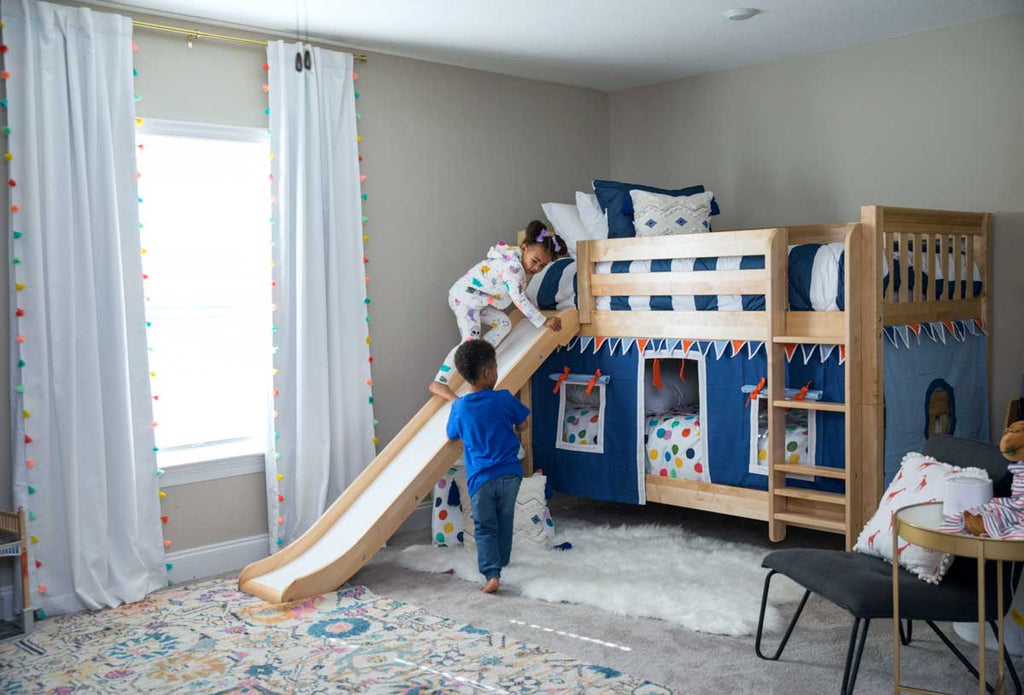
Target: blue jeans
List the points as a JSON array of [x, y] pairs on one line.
[[494, 506]]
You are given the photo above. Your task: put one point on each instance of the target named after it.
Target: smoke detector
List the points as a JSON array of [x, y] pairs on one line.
[[739, 14]]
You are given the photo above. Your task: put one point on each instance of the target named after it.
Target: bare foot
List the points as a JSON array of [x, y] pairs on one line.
[[491, 586], [439, 389]]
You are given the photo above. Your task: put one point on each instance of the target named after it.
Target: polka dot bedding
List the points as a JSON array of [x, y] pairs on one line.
[[672, 443], [581, 425], [797, 439]]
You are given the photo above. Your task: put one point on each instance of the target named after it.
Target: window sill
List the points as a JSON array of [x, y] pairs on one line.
[[208, 463]]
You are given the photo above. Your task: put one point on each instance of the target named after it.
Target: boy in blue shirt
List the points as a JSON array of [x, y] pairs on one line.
[[485, 420]]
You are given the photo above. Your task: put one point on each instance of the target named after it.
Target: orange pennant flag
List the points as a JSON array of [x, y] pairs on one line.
[[687, 344], [641, 344], [790, 349], [598, 342], [737, 345]]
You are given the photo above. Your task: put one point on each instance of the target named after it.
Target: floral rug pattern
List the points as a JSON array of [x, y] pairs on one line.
[[210, 638]]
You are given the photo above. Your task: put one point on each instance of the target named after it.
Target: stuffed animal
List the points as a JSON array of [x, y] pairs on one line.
[[1012, 447]]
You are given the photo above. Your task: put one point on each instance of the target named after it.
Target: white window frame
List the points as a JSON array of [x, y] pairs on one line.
[[225, 459], [585, 448], [812, 442], [641, 410]]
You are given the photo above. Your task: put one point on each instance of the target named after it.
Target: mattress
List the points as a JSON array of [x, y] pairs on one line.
[[816, 282]]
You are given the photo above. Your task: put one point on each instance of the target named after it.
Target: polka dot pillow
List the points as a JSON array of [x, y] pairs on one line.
[[446, 512], [921, 479], [532, 524]]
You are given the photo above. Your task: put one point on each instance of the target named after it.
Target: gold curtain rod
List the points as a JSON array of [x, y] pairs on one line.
[[209, 35]]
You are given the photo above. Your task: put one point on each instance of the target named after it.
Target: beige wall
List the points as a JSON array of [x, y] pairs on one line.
[[933, 120], [456, 160]]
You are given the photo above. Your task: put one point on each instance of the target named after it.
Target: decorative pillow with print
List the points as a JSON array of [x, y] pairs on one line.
[[921, 479], [532, 523], [656, 214]]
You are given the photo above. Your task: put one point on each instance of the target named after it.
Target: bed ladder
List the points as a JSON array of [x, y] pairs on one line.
[[824, 511]]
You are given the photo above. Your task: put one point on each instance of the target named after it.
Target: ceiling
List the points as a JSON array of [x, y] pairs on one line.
[[603, 44]]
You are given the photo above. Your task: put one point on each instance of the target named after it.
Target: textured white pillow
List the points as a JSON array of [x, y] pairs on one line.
[[532, 521], [593, 217], [921, 479], [655, 214], [567, 223]]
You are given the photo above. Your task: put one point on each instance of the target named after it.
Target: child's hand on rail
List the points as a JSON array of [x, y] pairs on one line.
[[554, 323]]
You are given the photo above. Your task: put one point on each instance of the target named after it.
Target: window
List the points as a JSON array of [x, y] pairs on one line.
[[801, 437], [581, 415], [205, 209]]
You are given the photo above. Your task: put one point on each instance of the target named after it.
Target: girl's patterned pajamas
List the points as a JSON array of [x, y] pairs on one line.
[[478, 300]]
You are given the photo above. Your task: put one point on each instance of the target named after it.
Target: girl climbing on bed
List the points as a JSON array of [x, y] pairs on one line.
[[480, 297]]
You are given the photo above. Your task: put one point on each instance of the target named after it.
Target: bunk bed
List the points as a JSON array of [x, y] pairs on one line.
[[896, 272]]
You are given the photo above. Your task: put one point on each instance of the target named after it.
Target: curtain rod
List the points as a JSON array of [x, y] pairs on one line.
[[196, 33]]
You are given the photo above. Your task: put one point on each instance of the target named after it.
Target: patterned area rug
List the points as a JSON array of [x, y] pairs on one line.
[[210, 638]]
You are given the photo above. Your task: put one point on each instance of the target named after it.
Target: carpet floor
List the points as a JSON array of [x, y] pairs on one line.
[[666, 653]]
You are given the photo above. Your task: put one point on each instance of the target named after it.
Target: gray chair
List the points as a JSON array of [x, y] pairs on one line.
[[862, 585]]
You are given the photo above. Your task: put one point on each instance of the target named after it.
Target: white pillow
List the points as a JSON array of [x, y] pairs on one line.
[[655, 214], [532, 521], [921, 479], [593, 217], [566, 221]]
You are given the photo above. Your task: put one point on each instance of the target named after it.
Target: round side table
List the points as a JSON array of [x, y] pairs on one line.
[[919, 524]]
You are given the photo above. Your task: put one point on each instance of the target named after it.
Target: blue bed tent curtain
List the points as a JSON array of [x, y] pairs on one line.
[[615, 474], [935, 382]]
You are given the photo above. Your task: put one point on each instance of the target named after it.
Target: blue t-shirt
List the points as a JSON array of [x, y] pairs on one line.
[[485, 421]]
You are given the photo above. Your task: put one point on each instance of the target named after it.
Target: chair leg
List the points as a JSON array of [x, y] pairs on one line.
[[760, 621], [1009, 662], [908, 636], [853, 654], [957, 653]]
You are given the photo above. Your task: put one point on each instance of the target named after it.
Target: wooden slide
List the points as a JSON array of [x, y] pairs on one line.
[[362, 519]]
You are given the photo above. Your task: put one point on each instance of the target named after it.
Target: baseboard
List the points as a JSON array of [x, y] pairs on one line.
[[419, 520], [216, 558]]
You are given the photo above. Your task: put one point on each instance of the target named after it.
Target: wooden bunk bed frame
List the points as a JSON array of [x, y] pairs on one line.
[[926, 234]]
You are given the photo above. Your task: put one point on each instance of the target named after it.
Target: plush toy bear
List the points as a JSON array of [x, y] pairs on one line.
[[1012, 447]]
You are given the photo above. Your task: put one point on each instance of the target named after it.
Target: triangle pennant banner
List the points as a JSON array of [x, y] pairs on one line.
[[980, 324], [720, 346], [687, 344], [808, 352], [904, 333], [916, 328], [676, 345], [572, 343], [704, 348], [585, 342], [626, 344], [960, 331], [890, 334], [824, 351], [641, 344], [790, 349], [598, 342], [753, 347], [842, 354], [612, 345], [949, 327], [737, 345]]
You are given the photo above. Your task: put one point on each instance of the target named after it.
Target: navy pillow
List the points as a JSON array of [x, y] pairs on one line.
[[615, 200]]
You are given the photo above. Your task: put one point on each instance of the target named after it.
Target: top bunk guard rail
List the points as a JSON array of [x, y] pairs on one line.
[[722, 325], [937, 253]]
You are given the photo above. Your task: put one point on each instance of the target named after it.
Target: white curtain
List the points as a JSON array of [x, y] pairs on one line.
[[83, 458], [324, 425]]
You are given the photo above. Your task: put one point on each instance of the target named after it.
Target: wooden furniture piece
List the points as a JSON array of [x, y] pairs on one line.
[[918, 524], [883, 235], [14, 544]]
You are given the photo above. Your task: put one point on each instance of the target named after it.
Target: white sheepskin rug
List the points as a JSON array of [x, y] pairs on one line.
[[642, 571]]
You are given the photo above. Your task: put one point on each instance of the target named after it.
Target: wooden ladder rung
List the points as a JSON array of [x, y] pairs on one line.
[[815, 522], [804, 469], [831, 406], [813, 495], [810, 339]]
